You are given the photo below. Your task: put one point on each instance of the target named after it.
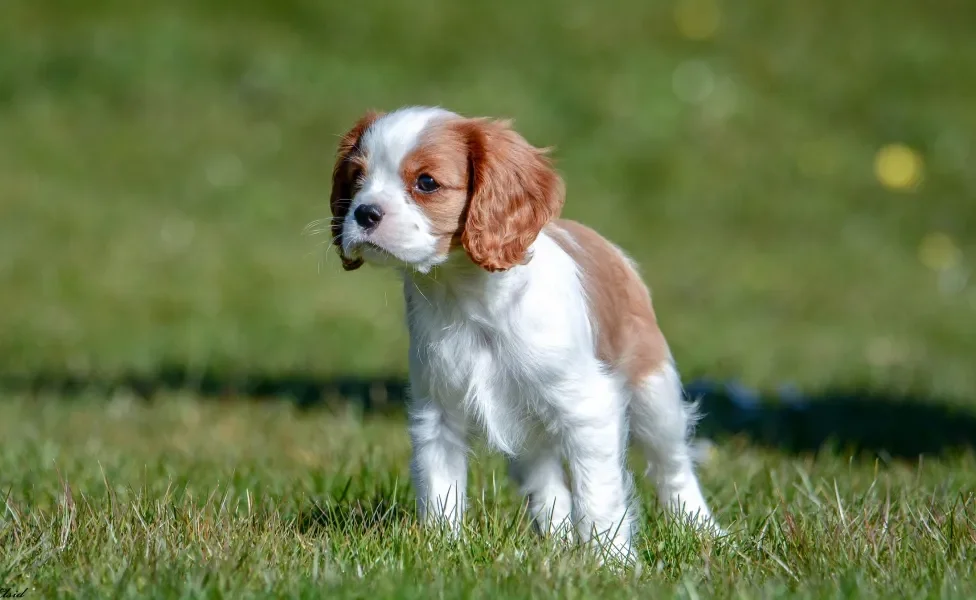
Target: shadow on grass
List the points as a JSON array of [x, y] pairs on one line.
[[862, 421]]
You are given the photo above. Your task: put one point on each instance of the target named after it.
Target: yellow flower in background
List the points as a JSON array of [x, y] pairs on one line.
[[898, 167], [939, 252], [697, 19]]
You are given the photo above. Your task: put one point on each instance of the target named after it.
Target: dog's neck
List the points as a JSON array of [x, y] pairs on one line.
[[459, 281]]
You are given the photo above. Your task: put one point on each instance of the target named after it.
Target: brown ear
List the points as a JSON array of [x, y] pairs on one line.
[[343, 178], [514, 192]]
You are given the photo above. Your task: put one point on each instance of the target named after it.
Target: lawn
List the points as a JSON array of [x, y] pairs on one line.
[[185, 498], [795, 179]]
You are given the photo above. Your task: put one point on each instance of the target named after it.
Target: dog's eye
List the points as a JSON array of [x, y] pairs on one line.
[[427, 184]]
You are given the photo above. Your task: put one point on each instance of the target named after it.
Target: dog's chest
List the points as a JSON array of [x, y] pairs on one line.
[[458, 352], [477, 364], [467, 350]]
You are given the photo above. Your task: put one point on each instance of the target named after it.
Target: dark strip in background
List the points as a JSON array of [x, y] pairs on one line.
[[884, 425]]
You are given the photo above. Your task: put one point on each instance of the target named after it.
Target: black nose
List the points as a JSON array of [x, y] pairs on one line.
[[368, 215]]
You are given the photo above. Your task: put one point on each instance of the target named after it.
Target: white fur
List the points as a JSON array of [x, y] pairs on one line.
[[511, 355]]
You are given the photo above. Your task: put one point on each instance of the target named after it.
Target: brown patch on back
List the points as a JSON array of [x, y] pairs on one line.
[[626, 328]]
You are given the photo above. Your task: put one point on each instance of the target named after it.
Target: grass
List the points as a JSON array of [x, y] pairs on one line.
[[184, 498]]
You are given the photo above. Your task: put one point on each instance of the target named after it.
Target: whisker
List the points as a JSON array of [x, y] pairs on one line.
[[314, 226], [333, 242], [317, 227], [422, 295]]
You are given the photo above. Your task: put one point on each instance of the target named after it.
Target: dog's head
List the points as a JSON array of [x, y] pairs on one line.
[[412, 186]]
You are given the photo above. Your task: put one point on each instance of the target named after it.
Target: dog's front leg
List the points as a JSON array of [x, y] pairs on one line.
[[595, 442], [439, 466]]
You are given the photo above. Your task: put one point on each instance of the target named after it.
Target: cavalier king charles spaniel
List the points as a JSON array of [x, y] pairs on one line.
[[532, 330]]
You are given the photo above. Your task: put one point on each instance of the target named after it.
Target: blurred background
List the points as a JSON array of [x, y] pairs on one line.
[[797, 181]]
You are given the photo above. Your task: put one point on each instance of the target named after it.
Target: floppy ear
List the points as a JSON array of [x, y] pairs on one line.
[[343, 178], [514, 192]]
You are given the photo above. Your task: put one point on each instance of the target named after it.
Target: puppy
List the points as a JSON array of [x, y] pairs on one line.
[[531, 329]]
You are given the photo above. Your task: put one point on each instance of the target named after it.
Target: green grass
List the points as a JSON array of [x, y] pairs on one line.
[[237, 500], [159, 160]]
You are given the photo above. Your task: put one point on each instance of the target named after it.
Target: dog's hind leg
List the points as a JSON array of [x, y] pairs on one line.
[[661, 423]]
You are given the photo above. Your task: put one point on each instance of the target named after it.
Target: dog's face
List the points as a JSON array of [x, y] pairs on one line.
[[412, 186]]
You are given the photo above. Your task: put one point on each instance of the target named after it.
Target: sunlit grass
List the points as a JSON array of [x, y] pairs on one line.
[[190, 499]]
